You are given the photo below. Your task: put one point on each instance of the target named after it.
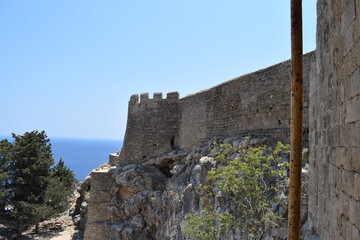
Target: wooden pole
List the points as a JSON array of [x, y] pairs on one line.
[[296, 121]]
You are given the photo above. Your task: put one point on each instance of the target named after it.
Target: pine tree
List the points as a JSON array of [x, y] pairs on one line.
[[5, 150], [64, 175], [60, 187], [31, 191]]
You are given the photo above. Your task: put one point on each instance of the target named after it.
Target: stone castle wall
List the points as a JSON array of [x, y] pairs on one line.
[[334, 189], [256, 104]]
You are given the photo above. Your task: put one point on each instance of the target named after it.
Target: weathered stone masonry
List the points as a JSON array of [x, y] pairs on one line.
[[253, 104], [98, 215], [334, 190], [151, 127]]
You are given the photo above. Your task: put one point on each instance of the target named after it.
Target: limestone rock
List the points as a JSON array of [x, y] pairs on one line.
[[151, 200]]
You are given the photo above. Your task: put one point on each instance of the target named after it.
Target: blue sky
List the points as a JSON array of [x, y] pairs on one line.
[[69, 67]]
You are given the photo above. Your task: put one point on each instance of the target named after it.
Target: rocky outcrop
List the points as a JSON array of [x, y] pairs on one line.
[[151, 200], [79, 214]]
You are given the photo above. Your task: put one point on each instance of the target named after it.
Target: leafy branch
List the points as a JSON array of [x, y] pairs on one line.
[[249, 180]]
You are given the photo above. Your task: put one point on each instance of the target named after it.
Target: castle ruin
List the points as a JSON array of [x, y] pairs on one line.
[[258, 104]]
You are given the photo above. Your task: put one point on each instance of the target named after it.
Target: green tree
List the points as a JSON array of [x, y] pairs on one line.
[[5, 147], [250, 181], [60, 187], [64, 175], [31, 191]]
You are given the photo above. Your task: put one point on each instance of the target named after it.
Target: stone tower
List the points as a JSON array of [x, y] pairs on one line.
[[152, 127]]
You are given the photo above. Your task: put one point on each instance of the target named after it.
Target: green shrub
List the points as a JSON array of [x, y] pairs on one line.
[[250, 184]]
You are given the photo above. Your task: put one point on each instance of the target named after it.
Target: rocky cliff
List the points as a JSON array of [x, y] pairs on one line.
[[151, 200]]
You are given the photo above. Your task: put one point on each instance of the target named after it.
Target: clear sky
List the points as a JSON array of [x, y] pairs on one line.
[[69, 67]]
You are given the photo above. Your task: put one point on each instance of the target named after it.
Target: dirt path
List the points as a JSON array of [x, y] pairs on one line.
[[56, 229], [67, 234]]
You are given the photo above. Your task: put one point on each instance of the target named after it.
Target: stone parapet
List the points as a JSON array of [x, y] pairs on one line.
[[114, 159]]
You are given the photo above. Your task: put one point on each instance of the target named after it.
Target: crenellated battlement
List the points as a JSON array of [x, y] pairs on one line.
[[134, 99], [158, 96], [152, 126], [172, 96]]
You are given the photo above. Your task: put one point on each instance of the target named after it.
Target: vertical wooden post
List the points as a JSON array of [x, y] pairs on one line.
[[296, 121]]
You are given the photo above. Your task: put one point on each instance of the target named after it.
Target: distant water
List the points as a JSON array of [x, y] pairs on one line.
[[81, 155]]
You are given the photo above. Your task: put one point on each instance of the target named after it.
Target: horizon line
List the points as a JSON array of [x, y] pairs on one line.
[[83, 138]]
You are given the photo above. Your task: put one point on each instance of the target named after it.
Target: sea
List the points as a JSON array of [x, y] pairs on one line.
[[81, 155]]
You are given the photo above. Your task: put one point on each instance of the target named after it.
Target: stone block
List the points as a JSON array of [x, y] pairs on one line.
[[357, 186], [354, 212], [342, 108], [101, 181], [355, 82], [114, 159], [340, 95], [356, 133], [343, 184], [352, 110], [355, 233], [98, 212], [349, 184], [348, 16], [348, 41], [344, 158], [96, 231], [355, 159], [347, 87], [332, 180], [347, 135], [348, 231], [357, 20], [100, 197]]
